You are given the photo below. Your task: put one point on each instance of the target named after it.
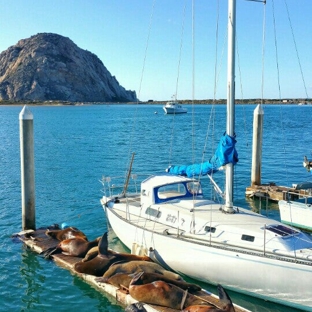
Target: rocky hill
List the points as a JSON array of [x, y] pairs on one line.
[[49, 67]]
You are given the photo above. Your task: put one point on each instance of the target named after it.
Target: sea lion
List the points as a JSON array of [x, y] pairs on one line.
[[162, 293], [105, 258], [76, 247], [92, 253], [225, 302], [132, 267], [123, 280], [121, 274], [67, 233]]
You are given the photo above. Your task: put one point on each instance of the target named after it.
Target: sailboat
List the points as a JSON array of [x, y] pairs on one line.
[[169, 218]]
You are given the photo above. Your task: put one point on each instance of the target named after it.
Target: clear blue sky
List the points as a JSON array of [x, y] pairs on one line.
[[117, 31]]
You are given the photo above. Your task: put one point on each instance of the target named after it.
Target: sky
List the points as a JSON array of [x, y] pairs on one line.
[[162, 48]]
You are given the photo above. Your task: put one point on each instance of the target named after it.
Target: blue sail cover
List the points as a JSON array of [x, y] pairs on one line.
[[224, 154]]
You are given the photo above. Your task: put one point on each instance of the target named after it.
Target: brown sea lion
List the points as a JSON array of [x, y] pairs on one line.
[[76, 247], [120, 274], [132, 267], [92, 253], [105, 258], [123, 280], [161, 293], [67, 233], [225, 304]]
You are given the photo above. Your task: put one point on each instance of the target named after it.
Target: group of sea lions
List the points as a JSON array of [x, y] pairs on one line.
[[72, 242], [145, 280]]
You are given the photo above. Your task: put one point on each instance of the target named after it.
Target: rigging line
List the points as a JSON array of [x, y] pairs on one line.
[[280, 96], [293, 36], [279, 89], [241, 89], [180, 52], [212, 111], [193, 80], [276, 53], [263, 51], [216, 79], [174, 97], [263, 1], [132, 136]]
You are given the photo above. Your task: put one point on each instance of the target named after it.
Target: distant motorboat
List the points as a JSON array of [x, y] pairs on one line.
[[173, 107]]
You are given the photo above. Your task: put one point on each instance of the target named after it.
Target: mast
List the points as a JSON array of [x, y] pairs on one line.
[[230, 100]]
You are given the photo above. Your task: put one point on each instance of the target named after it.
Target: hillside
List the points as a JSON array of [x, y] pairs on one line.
[[50, 67]]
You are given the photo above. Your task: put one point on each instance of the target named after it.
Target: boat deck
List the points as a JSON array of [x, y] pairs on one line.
[[38, 242], [153, 225]]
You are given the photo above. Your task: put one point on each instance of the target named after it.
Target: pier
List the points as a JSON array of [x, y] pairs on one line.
[[273, 192], [38, 241]]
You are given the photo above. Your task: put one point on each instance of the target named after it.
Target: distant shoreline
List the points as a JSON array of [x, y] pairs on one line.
[[151, 102]]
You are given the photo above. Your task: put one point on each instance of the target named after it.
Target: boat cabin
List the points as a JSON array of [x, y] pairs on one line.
[[166, 187]]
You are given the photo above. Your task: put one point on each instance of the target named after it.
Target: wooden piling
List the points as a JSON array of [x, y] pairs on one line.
[[257, 146], [27, 169]]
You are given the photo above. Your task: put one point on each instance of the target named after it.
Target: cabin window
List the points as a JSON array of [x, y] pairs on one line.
[[153, 212], [281, 230], [248, 238], [210, 229], [194, 187], [171, 191]]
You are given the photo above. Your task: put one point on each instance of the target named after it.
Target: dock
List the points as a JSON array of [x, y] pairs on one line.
[[273, 192], [38, 241]]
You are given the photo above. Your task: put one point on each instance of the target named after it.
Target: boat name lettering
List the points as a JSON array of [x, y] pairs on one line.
[[171, 218]]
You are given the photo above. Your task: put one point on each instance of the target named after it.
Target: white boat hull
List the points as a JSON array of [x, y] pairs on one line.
[[174, 108], [296, 214], [264, 277], [174, 111]]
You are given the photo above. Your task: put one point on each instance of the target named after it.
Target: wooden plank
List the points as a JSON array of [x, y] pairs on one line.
[[38, 242], [273, 192]]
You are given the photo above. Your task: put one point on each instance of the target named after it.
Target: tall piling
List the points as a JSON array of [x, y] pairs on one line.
[[257, 146], [27, 169]]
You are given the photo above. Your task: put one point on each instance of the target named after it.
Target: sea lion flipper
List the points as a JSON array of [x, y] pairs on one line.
[[101, 279], [225, 299], [103, 245], [49, 252], [136, 307]]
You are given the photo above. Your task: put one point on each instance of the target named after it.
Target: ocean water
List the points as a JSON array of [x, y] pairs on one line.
[[76, 145]]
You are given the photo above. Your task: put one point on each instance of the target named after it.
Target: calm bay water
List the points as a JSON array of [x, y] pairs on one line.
[[76, 145]]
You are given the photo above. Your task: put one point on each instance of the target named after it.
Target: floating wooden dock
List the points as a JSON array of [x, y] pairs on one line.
[[273, 192], [38, 242]]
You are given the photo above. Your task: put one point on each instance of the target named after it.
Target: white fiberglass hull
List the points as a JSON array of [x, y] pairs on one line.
[[174, 110], [296, 214], [284, 282]]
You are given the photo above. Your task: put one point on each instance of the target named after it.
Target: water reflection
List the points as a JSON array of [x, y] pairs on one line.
[[30, 272], [104, 303]]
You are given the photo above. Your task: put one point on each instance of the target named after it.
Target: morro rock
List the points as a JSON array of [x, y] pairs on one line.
[[48, 67]]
